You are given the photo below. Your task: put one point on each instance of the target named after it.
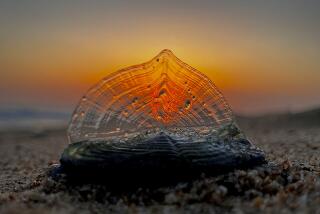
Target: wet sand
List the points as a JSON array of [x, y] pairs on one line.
[[290, 183]]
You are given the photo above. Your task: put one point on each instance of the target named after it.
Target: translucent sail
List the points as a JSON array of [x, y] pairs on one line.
[[164, 93]]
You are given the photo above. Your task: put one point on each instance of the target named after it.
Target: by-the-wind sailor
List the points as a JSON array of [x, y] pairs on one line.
[[161, 118]]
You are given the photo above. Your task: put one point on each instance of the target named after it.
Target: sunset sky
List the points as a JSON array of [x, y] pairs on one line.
[[263, 55]]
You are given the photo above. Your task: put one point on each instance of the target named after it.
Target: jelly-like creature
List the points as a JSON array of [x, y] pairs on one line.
[[161, 118]]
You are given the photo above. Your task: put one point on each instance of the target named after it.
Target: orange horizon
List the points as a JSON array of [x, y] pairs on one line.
[[259, 61]]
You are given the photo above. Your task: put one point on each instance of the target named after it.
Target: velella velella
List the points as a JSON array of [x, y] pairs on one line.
[[162, 117]]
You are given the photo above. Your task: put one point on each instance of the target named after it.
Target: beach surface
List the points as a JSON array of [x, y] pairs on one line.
[[289, 183]]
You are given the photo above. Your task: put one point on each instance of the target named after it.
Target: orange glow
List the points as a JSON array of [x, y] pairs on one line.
[[167, 101], [49, 62]]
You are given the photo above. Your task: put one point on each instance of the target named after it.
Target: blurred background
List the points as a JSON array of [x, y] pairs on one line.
[[263, 55]]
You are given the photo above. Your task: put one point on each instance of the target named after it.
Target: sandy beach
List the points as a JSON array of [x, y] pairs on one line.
[[289, 183]]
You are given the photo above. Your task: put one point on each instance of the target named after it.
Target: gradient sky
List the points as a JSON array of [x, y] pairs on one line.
[[263, 55]]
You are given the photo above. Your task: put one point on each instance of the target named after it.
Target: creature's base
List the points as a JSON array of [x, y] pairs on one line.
[[161, 158]]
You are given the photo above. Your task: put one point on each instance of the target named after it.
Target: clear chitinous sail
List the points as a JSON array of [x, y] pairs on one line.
[[164, 94]]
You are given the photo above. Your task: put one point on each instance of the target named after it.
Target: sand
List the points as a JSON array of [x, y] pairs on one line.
[[290, 183]]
